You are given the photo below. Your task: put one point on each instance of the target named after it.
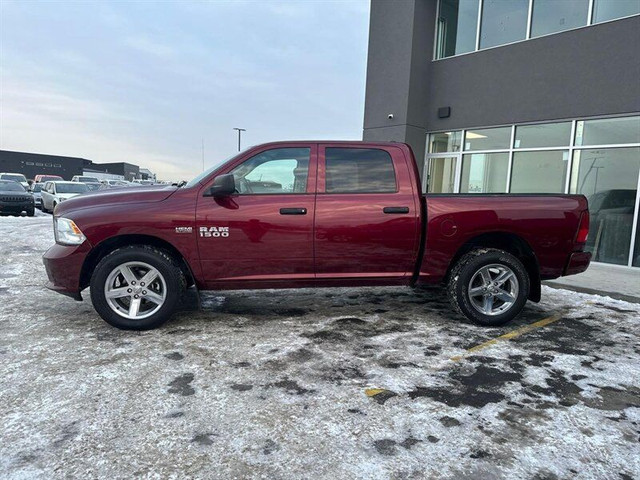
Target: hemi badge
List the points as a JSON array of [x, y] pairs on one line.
[[184, 229]]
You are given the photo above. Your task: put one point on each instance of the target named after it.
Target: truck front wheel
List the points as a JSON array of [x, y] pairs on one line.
[[489, 286], [137, 287]]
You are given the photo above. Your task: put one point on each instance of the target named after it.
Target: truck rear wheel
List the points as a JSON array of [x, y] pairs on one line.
[[489, 286], [137, 287]]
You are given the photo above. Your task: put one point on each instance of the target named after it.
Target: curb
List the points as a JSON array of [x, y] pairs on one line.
[[593, 291]]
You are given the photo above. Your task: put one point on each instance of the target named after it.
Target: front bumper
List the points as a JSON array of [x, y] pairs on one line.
[[15, 207], [63, 264], [578, 262]]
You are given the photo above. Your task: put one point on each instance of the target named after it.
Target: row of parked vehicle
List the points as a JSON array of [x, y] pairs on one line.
[[19, 195]]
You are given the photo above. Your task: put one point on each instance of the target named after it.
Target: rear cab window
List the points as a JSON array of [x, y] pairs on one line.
[[359, 170]]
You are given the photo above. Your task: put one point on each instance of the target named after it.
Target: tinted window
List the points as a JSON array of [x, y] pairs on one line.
[[37, 187], [550, 16], [487, 138], [484, 173], [503, 21], [457, 25], [539, 172], [608, 131], [359, 170], [71, 188], [11, 187], [604, 10], [277, 171], [609, 179], [543, 135]]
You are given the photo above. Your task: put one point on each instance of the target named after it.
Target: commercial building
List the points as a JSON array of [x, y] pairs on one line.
[[520, 96], [128, 171], [32, 164]]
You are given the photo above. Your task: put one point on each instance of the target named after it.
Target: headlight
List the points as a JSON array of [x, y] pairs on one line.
[[67, 232]]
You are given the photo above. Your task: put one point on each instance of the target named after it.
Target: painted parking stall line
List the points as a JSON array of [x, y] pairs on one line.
[[513, 334]]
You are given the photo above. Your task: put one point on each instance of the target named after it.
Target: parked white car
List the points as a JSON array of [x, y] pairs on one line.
[[16, 177], [54, 193]]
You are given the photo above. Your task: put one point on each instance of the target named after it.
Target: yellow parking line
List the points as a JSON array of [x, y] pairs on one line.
[[508, 336]]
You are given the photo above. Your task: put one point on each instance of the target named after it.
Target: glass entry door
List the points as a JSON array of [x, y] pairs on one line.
[[441, 174]]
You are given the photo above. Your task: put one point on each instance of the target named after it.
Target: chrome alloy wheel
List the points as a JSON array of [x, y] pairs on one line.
[[135, 290], [493, 289]]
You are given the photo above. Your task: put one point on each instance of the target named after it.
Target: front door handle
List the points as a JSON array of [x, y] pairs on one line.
[[395, 209], [293, 211]]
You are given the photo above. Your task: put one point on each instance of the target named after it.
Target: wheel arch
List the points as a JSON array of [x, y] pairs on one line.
[[509, 242], [113, 243]]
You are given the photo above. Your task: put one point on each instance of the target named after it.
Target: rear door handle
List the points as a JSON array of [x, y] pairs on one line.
[[293, 211], [395, 210]]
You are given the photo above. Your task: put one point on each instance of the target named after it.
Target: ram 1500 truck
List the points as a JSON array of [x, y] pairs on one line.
[[312, 214]]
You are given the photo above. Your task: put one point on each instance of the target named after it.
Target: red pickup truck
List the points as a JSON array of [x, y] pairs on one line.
[[312, 214]]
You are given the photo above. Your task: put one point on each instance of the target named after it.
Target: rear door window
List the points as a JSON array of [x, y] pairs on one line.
[[359, 170]]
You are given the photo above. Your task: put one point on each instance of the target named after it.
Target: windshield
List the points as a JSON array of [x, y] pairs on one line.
[[71, 188], [36, 187], [208, 171], [11, 187], [15, 178]]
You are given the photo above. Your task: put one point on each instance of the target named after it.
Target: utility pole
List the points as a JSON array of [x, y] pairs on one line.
[[240, 130]]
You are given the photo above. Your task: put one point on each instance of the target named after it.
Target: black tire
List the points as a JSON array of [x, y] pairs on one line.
[[31, 212], [157, 258], [464, 272]]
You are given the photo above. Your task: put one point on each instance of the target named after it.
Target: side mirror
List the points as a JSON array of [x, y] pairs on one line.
[[223, 185]]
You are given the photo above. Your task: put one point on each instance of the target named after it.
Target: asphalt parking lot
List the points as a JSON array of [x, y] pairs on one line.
[[329, 383]]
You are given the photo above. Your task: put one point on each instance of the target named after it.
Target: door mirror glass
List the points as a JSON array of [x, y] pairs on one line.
[[223, 185]]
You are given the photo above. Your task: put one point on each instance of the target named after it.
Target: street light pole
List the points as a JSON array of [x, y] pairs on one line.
[[240, 130]]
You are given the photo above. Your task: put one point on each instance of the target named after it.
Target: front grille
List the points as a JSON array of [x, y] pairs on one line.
[[12, 199]]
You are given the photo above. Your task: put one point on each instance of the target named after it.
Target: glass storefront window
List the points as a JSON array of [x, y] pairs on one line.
[[457, 26], [636, 249], [551, 16], [608, 131], [441, 175], [445, 142], [604, 10], [543, 135], [503, 22], [487, 139], [484, 173], [608, 177], [539, 172]]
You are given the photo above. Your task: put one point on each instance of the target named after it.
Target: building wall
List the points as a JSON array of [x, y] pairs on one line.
[[585, 72], [32, 164], [589, 71], [397, 70], [127, 170]]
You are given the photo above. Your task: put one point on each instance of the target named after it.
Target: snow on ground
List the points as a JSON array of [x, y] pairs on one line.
[[272, 384]]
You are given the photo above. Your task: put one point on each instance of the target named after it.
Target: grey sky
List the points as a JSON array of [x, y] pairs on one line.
[[144, 82]]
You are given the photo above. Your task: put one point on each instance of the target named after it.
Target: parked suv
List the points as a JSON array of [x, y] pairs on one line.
[[91, 182], [14, 199], [36, 191], [41, 178], [54, 193], [16, 177]]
